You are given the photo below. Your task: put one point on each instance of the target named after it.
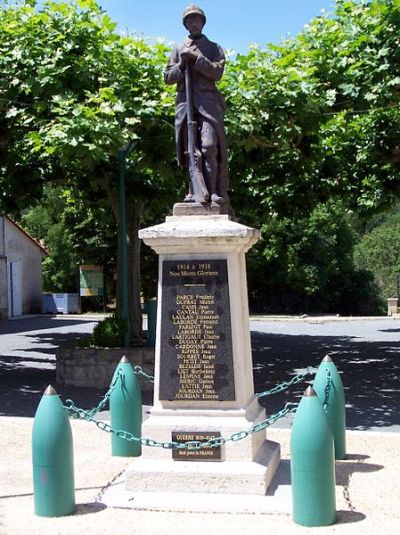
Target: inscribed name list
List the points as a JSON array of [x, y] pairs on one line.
[[196, 341]]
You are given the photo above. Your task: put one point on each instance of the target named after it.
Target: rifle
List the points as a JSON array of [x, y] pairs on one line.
[[199, 188]]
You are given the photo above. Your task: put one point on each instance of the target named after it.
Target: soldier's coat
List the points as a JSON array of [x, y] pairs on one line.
[[207, 100]]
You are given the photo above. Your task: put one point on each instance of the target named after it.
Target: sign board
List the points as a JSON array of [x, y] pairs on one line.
[[204, 454], [91, 280], [196, 361]]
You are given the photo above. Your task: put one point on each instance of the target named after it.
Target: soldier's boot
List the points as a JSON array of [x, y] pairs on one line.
[[189, 196]]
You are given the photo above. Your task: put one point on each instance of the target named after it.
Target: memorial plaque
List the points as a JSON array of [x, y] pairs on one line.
[[196, 361], [204, 454]]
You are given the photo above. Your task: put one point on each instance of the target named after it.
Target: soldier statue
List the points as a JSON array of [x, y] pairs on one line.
[[195, 66]]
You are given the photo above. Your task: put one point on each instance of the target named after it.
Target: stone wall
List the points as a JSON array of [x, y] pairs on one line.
[[94, 367], [3, 288]]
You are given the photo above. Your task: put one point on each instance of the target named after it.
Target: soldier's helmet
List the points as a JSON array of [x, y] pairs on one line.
[[193, 9]]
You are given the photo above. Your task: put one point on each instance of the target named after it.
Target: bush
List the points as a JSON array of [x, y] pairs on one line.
[[379, 253], [107, 333]]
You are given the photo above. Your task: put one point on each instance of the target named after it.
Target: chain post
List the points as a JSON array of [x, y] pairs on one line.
[[312, 464], [329, 388]]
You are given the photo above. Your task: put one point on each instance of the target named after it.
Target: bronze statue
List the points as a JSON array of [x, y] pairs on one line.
[[195, 65]]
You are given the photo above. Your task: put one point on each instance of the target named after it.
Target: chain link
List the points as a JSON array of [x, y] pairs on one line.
[[285, 385], [190, 445], [327, 389], [139, 371], [76, 412], [73, 410]]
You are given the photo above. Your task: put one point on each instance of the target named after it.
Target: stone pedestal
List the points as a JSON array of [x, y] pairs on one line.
[[203, 366]]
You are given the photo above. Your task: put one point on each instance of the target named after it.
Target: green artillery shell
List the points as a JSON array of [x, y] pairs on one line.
[[126, 411], [312, 464], [53, 458]]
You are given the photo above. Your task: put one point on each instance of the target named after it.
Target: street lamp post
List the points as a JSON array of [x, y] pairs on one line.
[[123, 153], [398, 285]]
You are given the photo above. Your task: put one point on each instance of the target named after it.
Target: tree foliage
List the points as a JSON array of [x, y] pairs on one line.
[[311, 122], [307, 266], [72, 93], [378, 252], [312, 126], [319, 115], [74, 231]]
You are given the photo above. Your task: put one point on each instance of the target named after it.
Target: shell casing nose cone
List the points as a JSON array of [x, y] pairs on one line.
[[50, 391], [327, 358], [124, 360], [309, 392]]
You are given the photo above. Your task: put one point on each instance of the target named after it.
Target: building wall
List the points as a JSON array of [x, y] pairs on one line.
[[20, 248], [3, 274]]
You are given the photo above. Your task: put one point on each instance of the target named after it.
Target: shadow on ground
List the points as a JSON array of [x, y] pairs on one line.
[[39, 323], [370, 373], [26, 373]]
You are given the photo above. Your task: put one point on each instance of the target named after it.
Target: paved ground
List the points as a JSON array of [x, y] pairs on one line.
[[366, 492], [27, 360], [367, 352]]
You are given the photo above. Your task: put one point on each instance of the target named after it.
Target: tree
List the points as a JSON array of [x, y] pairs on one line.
[[311, 121], [74, 231], [45, 222], [72, 93], [318, 116], [378, 252], [307, 266]]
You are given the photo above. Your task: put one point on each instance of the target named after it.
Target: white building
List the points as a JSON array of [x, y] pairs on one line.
[[20, 271]]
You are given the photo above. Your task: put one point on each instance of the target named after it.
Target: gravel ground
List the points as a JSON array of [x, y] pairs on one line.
[[366, 491]]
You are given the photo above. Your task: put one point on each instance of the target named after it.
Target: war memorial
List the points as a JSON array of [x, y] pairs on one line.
[[206, 431], [203, 369]]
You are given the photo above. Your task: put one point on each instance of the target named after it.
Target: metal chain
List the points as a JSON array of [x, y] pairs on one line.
[[76, 412], [327, 389], [139, 371], [192, 444], [285, 385], [71, 408]]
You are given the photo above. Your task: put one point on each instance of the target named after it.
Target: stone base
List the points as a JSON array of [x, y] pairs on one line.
[[200, 235], [200, 209], [229, 477], [247, 466], [92, 367]]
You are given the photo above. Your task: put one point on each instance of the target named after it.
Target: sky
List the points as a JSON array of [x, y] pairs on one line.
[[234, 24]]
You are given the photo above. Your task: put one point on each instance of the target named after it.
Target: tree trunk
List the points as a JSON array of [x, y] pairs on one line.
[[133, 213]]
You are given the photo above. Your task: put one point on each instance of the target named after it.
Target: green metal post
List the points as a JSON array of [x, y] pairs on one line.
[[151, 309], [398, 286], [336, 404], [126, 411], [123, 253], [52, 458], [312, 464]]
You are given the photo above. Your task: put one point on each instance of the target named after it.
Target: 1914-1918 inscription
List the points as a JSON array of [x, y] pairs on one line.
[[204, 454], [196, 339]]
